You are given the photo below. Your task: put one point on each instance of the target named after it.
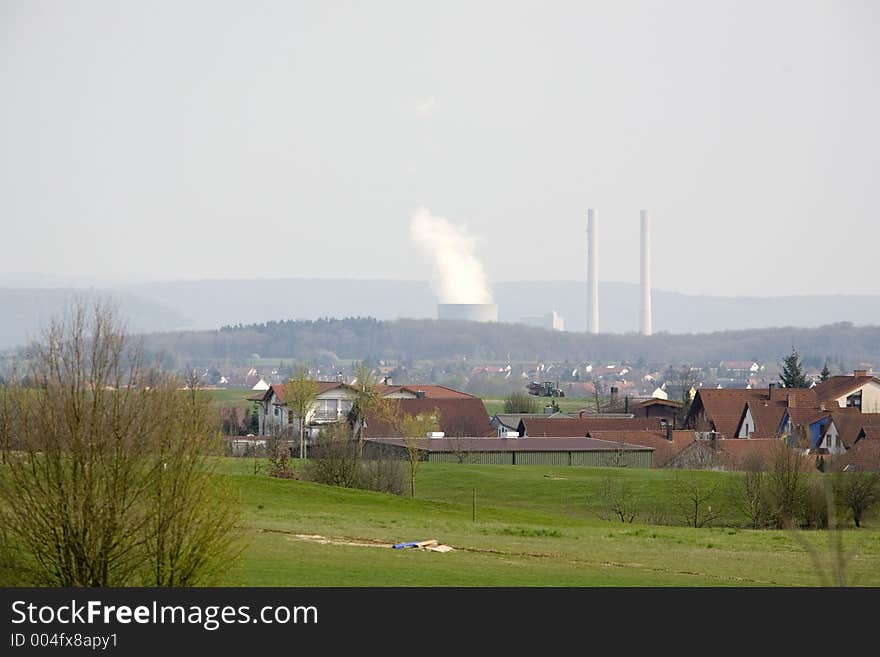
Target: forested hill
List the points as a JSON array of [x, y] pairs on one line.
[[358, 338], [207, 304]]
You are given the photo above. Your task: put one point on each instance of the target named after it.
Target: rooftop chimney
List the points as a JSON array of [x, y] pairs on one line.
[[669, 432], [592, 272], [771, 391], [792, 400], [645, 308]]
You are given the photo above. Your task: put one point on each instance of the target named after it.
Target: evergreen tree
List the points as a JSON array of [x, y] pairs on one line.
[[792, 375], [825, 374]]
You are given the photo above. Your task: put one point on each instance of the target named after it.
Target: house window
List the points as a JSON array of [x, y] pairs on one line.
[[854, 400], [345, 406], [276, 411], [326, 409]]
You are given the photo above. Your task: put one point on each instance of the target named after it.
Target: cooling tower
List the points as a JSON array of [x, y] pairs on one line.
[[471, 312]]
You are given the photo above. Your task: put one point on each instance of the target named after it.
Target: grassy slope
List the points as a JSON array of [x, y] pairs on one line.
[[531, 530]]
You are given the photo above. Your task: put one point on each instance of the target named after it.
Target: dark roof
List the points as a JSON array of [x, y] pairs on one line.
[[458, 417], [562, 427], [840, 385], [573, 444], [654, 401]]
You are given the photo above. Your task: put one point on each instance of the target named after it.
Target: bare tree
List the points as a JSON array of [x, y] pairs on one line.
[[618, 502], [459, 448], [694, 497], [748, 491], [300, 395], [109, 482], [786, 484], [597, 395], [278, 453], [335, 457]]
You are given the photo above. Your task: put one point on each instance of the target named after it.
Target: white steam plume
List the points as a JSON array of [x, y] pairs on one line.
[[458, 275]]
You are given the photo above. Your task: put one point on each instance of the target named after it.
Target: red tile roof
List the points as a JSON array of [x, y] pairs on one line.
[[766, 415], [849, 423], [723, 407], [663, 449], [567, 427], [737, 452], [838, 386], [458, 417], [734, 453], [863, 456], [804, 417]]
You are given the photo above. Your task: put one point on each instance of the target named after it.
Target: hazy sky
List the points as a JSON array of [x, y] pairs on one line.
[[243, 139]]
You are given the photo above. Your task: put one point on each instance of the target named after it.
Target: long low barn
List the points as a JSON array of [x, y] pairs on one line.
[[520, 451]]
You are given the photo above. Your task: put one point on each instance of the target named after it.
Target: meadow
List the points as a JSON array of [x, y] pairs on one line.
[[530, 526], [566, 404]]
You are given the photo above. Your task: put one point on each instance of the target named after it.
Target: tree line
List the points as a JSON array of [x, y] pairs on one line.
[[840, 344]]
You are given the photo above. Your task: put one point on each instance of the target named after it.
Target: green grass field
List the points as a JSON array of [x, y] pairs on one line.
[[232, 397], [566, 404], [535, 526]]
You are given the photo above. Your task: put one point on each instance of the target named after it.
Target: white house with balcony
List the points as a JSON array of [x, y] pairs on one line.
[[333, 404]]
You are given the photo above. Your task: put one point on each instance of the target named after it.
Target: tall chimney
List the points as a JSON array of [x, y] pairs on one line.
[[645, 319], [593, 272]]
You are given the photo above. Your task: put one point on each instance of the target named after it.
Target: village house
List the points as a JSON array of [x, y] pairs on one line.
[[832, 415], [334, 403]]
